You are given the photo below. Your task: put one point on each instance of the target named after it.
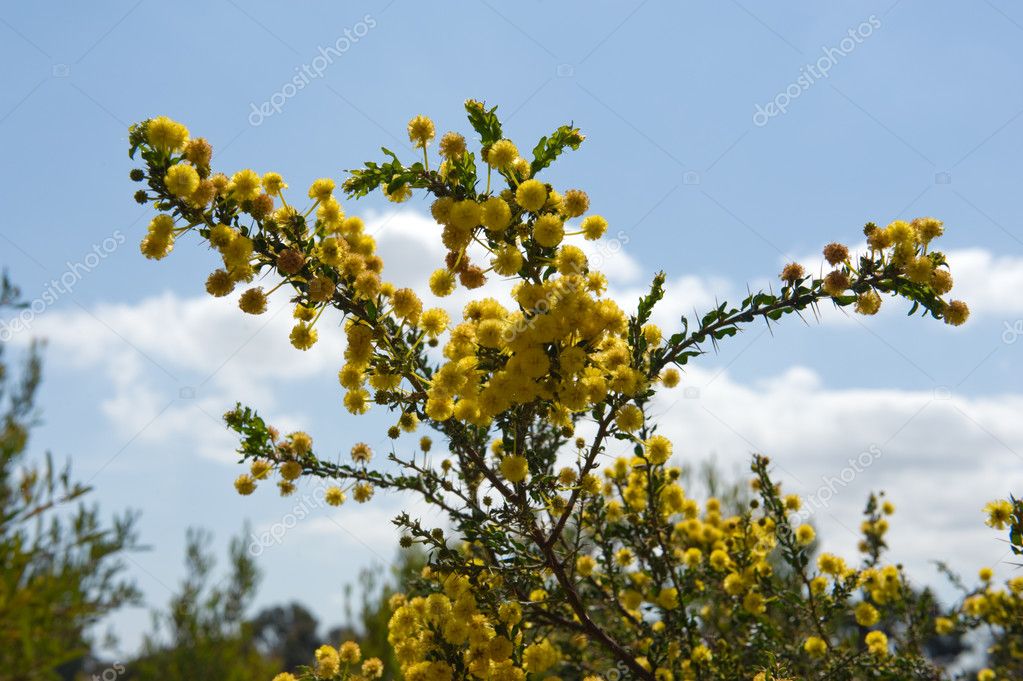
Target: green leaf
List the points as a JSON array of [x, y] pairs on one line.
[[484, 121], [549, 148]]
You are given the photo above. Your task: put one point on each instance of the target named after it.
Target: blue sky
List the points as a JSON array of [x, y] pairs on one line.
[[919, 114]]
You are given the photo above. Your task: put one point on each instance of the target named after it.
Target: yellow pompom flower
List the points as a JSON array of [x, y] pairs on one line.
[[815, 646], [514, 468], [219, 284], [303, 336], [986, 674], [334, 496], [944, 626], [349, 652], [670, 377], [328, 663], [452, 145], [805, 534], [442, 283], [877, 643], [866, 614], [181, 180], [531, 195], [502, 154], [507, 261], [434, 321], [421, 131], [956, 313], [999, 514], [273, 183], [830, 564], [373, 668], [496, 214], [253, 301], [166, 135], [868, 303], [548, 230], [245, 484], [629, 418], [246, 185], [593, 227], [322, 189], [658, 449], [575, 203]]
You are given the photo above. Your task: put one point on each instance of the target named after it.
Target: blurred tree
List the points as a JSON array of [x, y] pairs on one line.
[[60, 564], [286, 634], [204, 635]]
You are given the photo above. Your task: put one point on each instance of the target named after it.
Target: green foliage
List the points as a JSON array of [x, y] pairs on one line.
[[204, 634], [62, 567]]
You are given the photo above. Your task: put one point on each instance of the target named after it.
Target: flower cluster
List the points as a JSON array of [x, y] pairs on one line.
[[343, 663], [573, 546]]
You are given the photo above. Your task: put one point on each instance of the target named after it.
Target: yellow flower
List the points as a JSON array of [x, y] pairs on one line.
[[166, 135], [701, 654], [943, 625], [442, 283], [629, 418], [805, 534], [999, 513], [502, 154], [877, 643], [584, 565], [548, 230], [327, 662], [253, 301], [986, 674], [831, 564], [658, 449], [531, 195], [868, 303], [245, 484], [421, 131], [452, 145], [514, 468], [670, 377], [815, 647], [866, 614], [334, 496], [434, 321], [303, 336], [181, 180], [594, 227], [245, 185], [273, 183], [956, 313], [322, 189], [496, 214], [349, 652]]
